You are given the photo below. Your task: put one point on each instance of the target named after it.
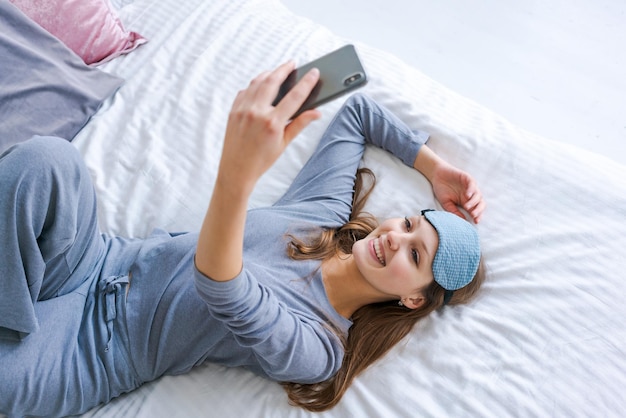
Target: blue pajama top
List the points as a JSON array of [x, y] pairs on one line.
[[272, 318]]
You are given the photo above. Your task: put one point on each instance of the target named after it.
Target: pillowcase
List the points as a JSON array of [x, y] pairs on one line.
[[90, 28], [45, 89]]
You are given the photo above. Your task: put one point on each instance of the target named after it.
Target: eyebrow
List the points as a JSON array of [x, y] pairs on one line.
[[423, 243], [425, 249]]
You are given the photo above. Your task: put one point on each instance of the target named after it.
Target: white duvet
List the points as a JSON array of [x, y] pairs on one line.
[[546, 335]]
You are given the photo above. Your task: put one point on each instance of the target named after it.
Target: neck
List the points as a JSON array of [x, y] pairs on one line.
[[346, 289]]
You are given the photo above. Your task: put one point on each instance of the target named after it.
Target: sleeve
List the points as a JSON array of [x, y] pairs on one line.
[[328, 177], [288, 347]]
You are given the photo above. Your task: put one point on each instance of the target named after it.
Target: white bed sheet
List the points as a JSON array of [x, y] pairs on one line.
[[546, 335]]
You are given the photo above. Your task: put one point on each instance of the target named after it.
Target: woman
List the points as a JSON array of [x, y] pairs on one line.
[[284, 291]]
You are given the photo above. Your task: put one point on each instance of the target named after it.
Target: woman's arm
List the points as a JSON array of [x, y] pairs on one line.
[[288, 346], [327, 179], [256, 135], [453, 188], [361, 120]]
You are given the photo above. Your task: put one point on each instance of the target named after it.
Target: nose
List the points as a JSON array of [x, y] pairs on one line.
[[394, 239]]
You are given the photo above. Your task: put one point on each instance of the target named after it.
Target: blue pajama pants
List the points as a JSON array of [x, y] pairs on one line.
[[62, 340]]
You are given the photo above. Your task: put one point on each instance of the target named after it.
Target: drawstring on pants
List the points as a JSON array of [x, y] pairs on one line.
[[111, 288]]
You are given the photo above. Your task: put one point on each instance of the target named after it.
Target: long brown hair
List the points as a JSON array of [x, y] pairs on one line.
[[377, 327]]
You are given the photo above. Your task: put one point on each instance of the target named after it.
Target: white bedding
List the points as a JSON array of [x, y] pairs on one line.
[[546, 335]]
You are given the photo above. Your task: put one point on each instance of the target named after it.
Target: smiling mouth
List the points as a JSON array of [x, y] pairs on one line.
[[380, 253]]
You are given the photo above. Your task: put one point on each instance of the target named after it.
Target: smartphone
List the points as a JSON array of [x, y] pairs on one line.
[[341, 71]]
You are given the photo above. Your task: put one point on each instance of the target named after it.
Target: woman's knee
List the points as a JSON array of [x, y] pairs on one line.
[[358, 98], [41, 150], [41, 156]]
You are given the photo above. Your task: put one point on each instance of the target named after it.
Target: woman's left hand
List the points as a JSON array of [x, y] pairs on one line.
[[453, 187]]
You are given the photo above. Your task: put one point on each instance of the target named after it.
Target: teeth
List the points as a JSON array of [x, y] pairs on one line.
[[379, 253]]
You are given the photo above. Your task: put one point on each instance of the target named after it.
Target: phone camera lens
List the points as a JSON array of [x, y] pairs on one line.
[[352, 79]]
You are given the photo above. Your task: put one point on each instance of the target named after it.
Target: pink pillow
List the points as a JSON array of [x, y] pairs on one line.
[[90, 28]]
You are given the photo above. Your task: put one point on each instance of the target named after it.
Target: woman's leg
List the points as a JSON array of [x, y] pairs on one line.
[[48, 229]]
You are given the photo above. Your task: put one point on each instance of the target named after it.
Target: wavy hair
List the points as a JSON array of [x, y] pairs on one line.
[[377, 327]]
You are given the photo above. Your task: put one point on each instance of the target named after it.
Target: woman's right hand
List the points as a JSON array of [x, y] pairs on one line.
[[256, 135], [257, 132]]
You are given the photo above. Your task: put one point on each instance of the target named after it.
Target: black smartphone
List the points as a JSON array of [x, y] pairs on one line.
[[341, 71]]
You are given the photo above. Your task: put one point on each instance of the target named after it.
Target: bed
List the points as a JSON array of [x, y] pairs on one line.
[[545, 337]]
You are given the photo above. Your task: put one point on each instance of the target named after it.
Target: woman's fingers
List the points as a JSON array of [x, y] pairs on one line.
[[264, 87], [452, 208], [264, 90], [257, 132], [292, 101], [475, 206]]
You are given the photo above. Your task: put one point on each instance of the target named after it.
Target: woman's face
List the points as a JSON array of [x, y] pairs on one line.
[[396, 258]]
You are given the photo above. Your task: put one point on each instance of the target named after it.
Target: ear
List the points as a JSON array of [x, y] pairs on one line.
[[414, 302]]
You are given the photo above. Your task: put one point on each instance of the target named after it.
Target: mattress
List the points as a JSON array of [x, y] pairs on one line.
[[545, 337]]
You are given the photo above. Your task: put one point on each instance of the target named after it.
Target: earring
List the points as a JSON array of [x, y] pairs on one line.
[[400, 303]]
